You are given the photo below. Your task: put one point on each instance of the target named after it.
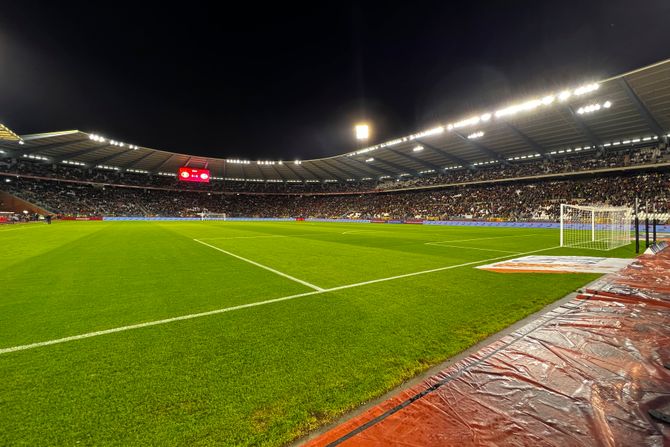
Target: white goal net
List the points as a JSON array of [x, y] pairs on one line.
[[595, 227], [212, 216]]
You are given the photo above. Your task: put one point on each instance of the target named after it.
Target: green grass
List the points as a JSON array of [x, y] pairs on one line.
[[260, 375]]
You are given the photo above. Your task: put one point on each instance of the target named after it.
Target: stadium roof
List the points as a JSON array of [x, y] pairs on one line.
[[631, 108], [7, 134]]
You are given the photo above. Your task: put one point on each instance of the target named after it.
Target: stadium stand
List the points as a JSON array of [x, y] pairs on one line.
[[518, 200], [602, 142]]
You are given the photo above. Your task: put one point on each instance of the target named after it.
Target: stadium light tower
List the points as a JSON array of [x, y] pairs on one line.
[[362, 132]]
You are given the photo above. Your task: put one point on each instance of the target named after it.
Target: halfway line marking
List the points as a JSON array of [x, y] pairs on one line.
[[270, 269], [244, 306]]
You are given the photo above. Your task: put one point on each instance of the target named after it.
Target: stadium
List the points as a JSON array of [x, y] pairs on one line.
[[498, 278]]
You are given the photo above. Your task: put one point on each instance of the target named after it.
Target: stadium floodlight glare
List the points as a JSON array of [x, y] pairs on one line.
[[513, 109], [369, 160], [35, 157], [485, 117], [418, 148], [548, 100], [21, 142], [362, 131], [594, 107], [564, 95], [297, 162], [476, 135], [584, 89], [466, 122]]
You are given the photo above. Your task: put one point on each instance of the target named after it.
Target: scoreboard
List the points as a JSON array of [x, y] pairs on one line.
[[193, 175]]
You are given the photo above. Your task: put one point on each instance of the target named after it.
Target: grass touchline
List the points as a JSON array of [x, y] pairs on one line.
[[244, 306]]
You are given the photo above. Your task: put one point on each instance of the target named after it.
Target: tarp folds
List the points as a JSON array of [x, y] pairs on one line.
[[585, 374]]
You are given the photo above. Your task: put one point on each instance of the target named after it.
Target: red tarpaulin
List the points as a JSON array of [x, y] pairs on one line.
[[585, 374]]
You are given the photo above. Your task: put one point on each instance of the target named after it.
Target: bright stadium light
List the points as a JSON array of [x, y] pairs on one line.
[[362, 131], [418, 148], [565, 94], [370, 160], [586, 89], [594, 107]]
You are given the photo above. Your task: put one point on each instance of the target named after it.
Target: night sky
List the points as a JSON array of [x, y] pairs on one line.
[[284, 82]]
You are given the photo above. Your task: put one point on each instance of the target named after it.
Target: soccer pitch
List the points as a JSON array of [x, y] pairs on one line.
[[241, 333]]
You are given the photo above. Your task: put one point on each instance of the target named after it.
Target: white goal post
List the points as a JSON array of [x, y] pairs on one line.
[[212, 216], [595, 227]]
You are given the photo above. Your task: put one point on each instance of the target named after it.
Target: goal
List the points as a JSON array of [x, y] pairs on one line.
[[212, 216], [595, 227]]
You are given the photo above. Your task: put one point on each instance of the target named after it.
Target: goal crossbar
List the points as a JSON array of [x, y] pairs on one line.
[[212, 216], [595, 227]]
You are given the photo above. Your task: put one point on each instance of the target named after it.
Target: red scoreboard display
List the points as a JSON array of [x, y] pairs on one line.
[[193, 175]]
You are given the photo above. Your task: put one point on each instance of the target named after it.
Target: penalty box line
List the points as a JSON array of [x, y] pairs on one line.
[[269, 269], [485, 238], [245, 306]]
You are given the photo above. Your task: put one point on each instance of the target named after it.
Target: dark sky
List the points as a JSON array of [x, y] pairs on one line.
[[287, 81]]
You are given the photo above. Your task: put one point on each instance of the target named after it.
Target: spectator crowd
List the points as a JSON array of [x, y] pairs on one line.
[[534, 200], [72, 190]]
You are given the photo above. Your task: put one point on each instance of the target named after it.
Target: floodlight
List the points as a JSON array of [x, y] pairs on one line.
[[565, 94], [362, 131]]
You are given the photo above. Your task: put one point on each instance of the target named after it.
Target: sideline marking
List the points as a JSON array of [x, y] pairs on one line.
[[357, 231], [241, 237], [440, 244], [270, 269], [484, 238], [244, 306], [150, 323], [257, 237], [24, 227]]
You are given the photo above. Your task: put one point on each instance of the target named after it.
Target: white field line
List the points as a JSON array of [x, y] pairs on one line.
[[270, 269], [25, 227], [440, 244], [358, 231], [485, 238], [259, 237], [244, 306], [439, 269], [150, 323], [241, 237]]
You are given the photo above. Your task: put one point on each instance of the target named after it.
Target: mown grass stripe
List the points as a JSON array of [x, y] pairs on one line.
[[245, 306]]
